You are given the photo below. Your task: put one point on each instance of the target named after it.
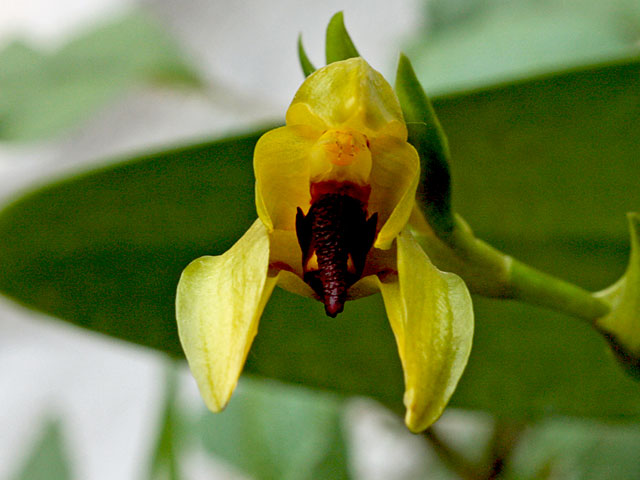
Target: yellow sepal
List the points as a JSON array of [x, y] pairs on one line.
[[394, 181], [218, 305], [281, 166], [431, 316], [348, 93]]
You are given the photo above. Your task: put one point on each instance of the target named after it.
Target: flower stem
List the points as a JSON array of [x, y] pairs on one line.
[[538, 288], [491, 273]]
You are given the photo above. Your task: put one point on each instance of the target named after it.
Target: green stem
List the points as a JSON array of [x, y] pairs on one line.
[[491, 273], [538, 288]]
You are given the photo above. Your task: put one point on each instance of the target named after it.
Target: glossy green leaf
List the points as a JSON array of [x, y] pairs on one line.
[[49, 459], [273, 432], [338, 44], [554, 156], [41, 94], [111, 245], [543, 169]]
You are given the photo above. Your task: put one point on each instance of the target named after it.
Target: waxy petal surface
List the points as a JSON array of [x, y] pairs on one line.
[[394, 181], [348, 93], [218, 305], [432, 319], [281, 166]]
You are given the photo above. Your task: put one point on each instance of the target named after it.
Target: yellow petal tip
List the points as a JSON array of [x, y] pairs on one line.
[[218, 304], [217, 402], [419, 416], [348, 93]]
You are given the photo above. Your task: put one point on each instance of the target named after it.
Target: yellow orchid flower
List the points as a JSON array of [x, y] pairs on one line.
[[334, 191]]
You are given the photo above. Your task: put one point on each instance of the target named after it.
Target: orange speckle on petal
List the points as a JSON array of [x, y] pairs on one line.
[[342, 155]]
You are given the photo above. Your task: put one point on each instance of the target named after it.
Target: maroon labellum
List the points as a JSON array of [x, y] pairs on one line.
[[335, 237]]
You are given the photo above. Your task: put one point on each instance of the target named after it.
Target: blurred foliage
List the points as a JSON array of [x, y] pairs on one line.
[[469, 43], [276, 432], [48, 460], [572, 449], [42, 93], [171, 439], [549, 166], [270, 432]]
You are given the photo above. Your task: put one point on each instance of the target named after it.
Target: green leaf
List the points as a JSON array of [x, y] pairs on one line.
[[112, 243], [543, 169], [273, 432], [434, 190], [48, 460], [338, 45], [553, 156], [427, 136], [43, 94], [416, 106], [305, 63]]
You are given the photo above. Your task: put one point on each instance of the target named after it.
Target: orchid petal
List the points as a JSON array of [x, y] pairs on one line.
[[431, 316], [349, 94], [394, 181], [287, 256], [281, 165], [218, 305]]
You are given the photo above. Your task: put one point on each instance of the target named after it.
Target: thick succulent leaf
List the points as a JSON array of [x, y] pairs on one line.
[[111, 245], [554, 157], [543, 169], [431, 316]]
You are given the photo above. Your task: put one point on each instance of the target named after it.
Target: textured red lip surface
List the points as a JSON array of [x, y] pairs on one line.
[[337, 231]]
